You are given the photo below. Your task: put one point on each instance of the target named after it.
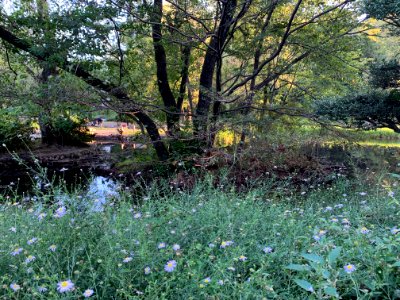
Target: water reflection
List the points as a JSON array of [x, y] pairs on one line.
[[116, 148], [101, 189], [363, 156]]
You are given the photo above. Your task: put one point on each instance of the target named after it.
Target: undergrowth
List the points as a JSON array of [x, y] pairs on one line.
[[209, 243]]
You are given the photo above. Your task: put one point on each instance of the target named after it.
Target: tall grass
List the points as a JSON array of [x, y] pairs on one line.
[[115, 248]]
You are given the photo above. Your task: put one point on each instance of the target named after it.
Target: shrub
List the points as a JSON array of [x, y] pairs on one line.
[[14, 132], [71, 130]]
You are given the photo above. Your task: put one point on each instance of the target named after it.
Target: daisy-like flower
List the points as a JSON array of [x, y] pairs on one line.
[[391, 194], [220, 282], [17, 251], [30, 258], [53, 248], [364, 230], [225, 244], [60, 212], [345, 221], [268, 250], [176, 247], [231, 269], [42, 289], [32, 241], [15, 287], [65, 286], [339, 205], [147, 270], [394, 230], [88, 293], [127, 259], [207, 280], [170, 266], [328, 208], [363, 194], [211, 245], [242, 258], [316, 237], [334, 220], [322, 232], [41, 216], [137, 215], [161, 245], [349, 268], [13, 229]]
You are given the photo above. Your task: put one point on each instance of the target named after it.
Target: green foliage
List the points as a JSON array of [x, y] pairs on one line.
[[70, 130], [110, 40], [311, 233], [14, 132], [376, 109], [385, 75], [384, 10]]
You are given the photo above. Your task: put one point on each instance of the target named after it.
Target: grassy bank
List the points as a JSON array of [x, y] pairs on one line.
[[206, 244]]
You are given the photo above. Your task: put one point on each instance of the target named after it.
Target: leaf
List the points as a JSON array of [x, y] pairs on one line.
[[296, 267], [313, 257], [305, 285], [326, 274], [395, 175], [396, 264], [333, 255], [331, 291]]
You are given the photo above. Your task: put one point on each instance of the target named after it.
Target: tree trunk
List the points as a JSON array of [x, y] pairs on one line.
[[77, 70], [173, 114], [216, 106], [213, 53], [256, 64], [184, 76]]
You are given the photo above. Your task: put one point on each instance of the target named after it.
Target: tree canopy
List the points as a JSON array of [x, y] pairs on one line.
[[214, 62]]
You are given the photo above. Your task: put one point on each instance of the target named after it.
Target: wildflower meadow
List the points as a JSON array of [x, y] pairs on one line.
[[338, 242]]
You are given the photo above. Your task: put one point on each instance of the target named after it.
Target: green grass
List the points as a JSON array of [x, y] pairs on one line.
[[384, 144], [91, 246]]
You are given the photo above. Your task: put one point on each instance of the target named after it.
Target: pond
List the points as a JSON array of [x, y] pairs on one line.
[[98, 176], [91, 167], [369, 155]]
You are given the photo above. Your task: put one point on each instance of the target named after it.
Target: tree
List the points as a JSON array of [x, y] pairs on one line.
[[214, 49], [386, 10], [385, 75], [377, 109]]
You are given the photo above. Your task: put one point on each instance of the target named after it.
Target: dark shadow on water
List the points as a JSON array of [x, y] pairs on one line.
[[363, 157]]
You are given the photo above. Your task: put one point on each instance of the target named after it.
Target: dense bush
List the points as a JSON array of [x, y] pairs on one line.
[[207, 244], [377, 109], [70, 130], [385, 75], [14, 132]]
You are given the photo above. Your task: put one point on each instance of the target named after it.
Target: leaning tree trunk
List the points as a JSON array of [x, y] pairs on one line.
[[79, 71]]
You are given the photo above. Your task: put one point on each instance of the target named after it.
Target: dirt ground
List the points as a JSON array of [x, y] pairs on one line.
[[111, 131]]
